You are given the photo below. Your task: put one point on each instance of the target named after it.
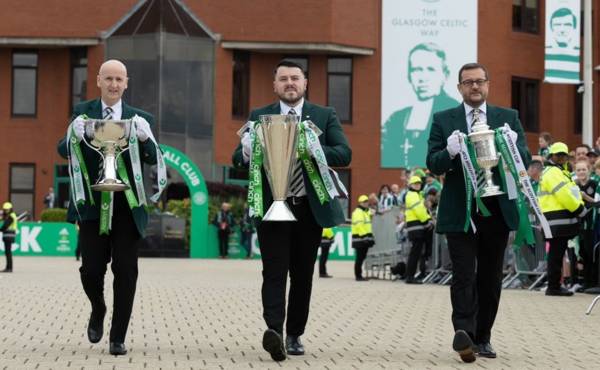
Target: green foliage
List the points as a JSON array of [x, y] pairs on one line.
[[54, 215], [182, 209]]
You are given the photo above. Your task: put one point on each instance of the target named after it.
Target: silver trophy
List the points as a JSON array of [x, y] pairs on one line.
[[110, 138], [487, 156], [277, 134]]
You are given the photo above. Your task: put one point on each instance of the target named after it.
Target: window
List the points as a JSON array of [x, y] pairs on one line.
[[302, 61], [345, 177], [525, 99], [578, 126], [24, 83], [241, 84], [78, 75], [525, 16], [339, 87], [22, 187]]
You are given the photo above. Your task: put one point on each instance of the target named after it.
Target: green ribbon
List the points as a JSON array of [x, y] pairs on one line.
[[469, 196], [482, 208], [313, 173], [255, 191], [105, 205]]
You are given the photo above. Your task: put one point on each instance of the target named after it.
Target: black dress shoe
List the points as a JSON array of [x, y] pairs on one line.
[[6, 270], [360, 278], [117, 349], [463, 344], [486, 350], [325, 276], [293, 345], [273, 343], [559, 292], [95, 325], [413, 281]]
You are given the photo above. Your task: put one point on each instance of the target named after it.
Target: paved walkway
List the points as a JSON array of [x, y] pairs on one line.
[[199, 314]]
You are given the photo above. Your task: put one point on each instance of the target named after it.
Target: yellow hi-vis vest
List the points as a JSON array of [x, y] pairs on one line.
[[415, 208], [561, 202], [12, 229], [361, 222]]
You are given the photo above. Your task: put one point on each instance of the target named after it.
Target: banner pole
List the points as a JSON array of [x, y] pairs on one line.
[[587, 131]]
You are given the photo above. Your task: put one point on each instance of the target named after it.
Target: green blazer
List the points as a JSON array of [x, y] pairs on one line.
[[93, 109], [336, 148], [452, 207]]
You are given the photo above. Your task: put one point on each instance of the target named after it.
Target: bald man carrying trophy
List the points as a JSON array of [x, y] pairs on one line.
[[106, 143]]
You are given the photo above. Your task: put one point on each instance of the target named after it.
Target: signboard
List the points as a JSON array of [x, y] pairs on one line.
[[44, 239], [424, 44]]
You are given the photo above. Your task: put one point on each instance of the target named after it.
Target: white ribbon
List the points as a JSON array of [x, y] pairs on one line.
[[161, 168], [525, 181], [136, 166], [76, 178], [316, 150]]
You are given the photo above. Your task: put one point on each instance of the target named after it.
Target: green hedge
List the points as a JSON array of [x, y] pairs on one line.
[[54, 215]]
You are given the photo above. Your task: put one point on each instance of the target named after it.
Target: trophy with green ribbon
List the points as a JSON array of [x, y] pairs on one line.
[[278, 135], [110, 138], [487, 156]]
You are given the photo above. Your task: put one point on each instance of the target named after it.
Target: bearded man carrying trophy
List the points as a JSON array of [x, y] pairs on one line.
[[291, 246], [476, 256], [105, 144]]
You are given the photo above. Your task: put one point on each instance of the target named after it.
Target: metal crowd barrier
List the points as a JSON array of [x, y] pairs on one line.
[[389, 249], [529, 262]]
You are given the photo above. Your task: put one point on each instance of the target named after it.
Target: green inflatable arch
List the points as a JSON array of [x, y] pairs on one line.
[[199, 238]]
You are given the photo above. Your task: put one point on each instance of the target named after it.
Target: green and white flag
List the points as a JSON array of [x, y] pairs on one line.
[[562, 52]]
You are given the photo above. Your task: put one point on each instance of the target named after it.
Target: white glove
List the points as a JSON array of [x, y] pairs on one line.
[[246, 146], [143, 128], [512, 134], [79, 127], [453, 142]]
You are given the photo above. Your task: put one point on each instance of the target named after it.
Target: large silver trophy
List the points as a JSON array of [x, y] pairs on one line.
[[487, 156], [277, 135], [110, 138]]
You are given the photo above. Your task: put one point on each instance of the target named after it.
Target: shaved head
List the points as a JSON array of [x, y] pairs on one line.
[[112, 65], [112, 81]]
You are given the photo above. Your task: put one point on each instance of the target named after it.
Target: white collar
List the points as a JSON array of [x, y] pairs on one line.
[[286, 108], [117, 106], [469, 109]]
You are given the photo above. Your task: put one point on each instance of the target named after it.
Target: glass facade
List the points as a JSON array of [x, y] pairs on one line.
[[170, 60]]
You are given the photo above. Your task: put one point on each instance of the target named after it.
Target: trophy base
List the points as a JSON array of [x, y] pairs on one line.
[[279, 211], [491, 191], [110, 185]]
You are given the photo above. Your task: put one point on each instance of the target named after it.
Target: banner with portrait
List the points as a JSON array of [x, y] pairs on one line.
[[562, 52], [424, 44]]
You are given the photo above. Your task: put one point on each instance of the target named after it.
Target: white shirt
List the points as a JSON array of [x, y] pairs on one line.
[[469, 114], [117, 109], [286, 108]]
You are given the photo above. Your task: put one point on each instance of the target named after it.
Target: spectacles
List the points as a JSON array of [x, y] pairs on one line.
[[470, 83]]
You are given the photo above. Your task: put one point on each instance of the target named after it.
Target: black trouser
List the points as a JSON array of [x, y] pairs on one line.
[[477, 273], [323, 258], [8, 241], [590, 259], [246, 241], [361, 255], [223, 242], [416, 252], [289, 246], [558, 246], [121, 245], [427, 249]]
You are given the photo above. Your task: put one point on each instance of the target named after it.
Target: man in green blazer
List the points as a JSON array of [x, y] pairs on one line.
[[128, 224], [292, 246], [476, 258]]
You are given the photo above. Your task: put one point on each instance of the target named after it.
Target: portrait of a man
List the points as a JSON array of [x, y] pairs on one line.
[[404, 134], [563, 25]]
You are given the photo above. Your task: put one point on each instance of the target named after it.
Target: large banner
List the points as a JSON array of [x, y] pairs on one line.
[[563, 24], [424, 44], [44, 239]]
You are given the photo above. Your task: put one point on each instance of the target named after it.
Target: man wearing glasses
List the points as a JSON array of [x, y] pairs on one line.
[[476, 257]]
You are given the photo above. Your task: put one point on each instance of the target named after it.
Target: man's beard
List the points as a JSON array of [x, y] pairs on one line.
[[293, 101]]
